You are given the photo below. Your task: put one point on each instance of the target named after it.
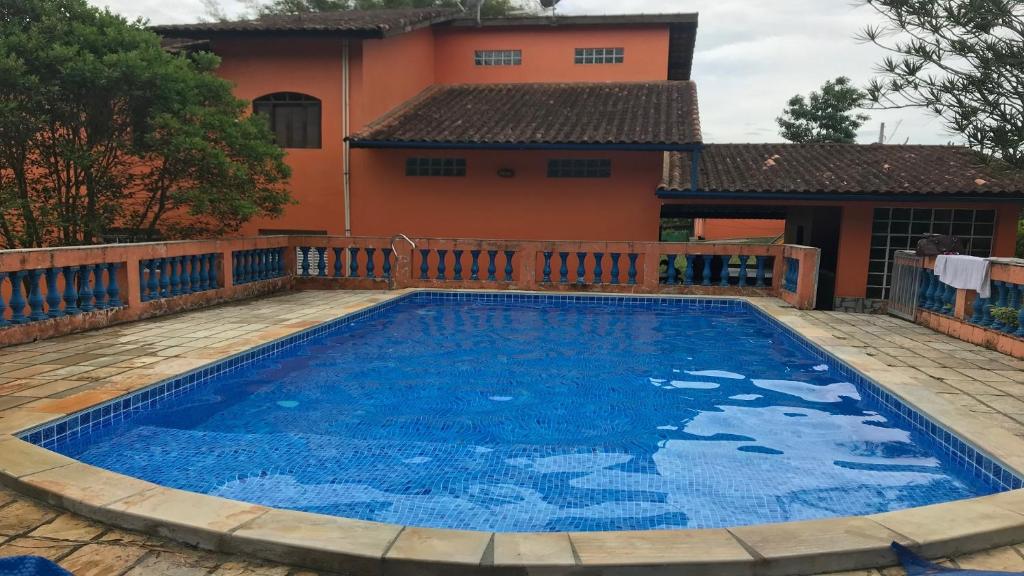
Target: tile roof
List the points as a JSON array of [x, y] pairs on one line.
[[372, 23], [622, 115], [840, 169]]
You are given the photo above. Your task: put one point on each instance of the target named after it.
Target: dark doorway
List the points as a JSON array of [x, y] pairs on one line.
[[818, 226]]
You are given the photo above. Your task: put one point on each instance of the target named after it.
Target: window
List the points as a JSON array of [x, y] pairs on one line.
[[435, 167], [900, 228], [294, 118], [498, 57], [600, 55], [589, 168]]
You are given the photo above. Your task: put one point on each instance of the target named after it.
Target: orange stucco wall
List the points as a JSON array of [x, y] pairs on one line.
[[548, 54], [311, 67], [528, 206], [725, 229], [386, 73]]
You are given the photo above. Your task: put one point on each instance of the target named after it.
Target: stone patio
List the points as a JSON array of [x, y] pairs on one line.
[[42, 380]]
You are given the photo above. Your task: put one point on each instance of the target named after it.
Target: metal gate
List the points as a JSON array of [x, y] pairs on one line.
[[905, 280]]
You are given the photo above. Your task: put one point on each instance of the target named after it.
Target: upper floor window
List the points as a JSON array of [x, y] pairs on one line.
[[435, 167], [600, 55], [580, 168], [294, 118], [498, 57]]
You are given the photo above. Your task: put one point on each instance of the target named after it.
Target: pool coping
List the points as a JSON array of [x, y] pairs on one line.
[[363, 547]]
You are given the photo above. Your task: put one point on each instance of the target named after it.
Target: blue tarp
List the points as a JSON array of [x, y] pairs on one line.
[[917, 566], [30, 566]]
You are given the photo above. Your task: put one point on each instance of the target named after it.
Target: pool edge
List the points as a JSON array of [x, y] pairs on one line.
[[329, 543]]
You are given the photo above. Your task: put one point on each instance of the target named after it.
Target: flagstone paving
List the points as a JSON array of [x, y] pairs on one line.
[[42, 380]]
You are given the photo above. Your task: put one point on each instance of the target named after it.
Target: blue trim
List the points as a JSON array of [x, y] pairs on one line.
[[1010, 197], [420, 145]]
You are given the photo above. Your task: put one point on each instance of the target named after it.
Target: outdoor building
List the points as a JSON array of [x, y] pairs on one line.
[[427, 123]]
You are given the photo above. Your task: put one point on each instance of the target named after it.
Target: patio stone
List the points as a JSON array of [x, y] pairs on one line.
[[69, 527], [247, 569], [446, 550], [512, 549], [80, 487], [173, 564], [820, 545], [49, 549], [102, 559], [22, 516], [671, 552], [1002, 559], [956, 527]]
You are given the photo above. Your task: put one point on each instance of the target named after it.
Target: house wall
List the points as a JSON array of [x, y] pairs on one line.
[[548, 54], [729, 229], [528, 206], [312, 67]]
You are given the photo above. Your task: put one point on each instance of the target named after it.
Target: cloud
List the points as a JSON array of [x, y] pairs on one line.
[[751, 57]]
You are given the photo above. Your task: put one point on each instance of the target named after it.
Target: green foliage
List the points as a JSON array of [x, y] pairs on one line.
[[1005, 315], [961, 60], [101, 129], [490, 9], [825, 116]]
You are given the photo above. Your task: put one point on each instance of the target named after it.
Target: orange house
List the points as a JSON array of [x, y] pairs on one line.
[[426, 123]]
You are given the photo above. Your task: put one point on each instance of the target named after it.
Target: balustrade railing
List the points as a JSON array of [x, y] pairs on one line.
[[136, 280], [1000, 314]]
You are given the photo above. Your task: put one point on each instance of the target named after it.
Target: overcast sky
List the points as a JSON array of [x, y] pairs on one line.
[[751, 57]]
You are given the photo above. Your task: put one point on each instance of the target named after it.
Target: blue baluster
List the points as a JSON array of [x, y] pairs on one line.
[[631, 274], [706, 262], [546, 278], [236, 270], [304, 264], [113, 290], [3, 306], [997, 323], [424, 265], [99, 290], [175, 266], [491, 267], [581, 267], [741, 281], [935, 289], [615, 268], [371, 270], [165, 277], [17, 300], [321, 262], [71, 289], [387, 262], [441, 266], [759, 276], [563, 271], [688, 273], [143, 282], [353, 262], [979, 309], [1013, 302], [35, 296], [457, 254], [85, 289], [213, 269], [337, 262], [279, 261], [950, 301], [922, 290], [474, 265], [670, 270], [52, 294], [598, 269], [724, 271], [243, 270], [204, 272], [185, 274], [195, 278], [509, 254]]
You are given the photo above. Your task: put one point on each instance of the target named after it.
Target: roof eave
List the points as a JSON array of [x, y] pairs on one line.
[[610, 146], [357, 34], [581, 20], [675, 194]]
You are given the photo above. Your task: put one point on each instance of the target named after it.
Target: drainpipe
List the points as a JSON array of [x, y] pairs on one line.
[[345, 148]]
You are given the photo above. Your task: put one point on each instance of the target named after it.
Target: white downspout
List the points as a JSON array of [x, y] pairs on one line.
[[345, 148]]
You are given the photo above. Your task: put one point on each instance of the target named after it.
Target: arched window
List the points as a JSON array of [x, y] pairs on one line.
[[294, 118]]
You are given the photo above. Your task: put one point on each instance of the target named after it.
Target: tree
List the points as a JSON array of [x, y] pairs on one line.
[[961, 60], [101, 129], [825, 116]]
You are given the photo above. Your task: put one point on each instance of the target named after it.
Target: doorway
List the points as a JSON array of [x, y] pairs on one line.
[[818, 226]]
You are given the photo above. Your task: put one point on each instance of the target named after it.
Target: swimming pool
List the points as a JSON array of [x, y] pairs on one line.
[[511, 412]]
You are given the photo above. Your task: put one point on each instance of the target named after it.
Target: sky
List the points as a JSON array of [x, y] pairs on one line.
[[752, 56]]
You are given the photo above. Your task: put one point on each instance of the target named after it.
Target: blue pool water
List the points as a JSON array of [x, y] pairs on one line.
[[538, 416]]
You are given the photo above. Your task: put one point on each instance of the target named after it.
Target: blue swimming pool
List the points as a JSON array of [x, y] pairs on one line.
[[538, 413]]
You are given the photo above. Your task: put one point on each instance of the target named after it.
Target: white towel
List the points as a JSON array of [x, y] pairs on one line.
[[965, 273]]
